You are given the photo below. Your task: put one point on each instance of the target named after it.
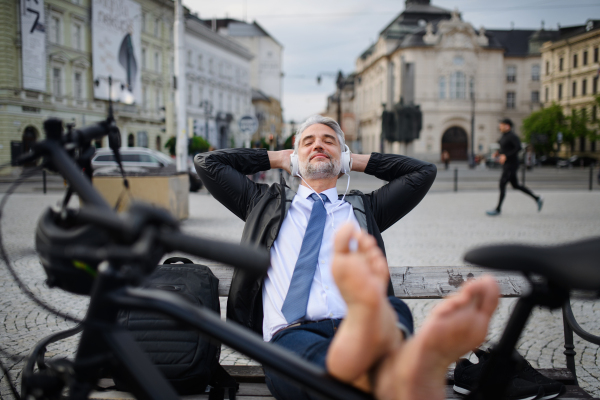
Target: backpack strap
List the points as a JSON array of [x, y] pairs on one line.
[[219, 381], [173, 260]]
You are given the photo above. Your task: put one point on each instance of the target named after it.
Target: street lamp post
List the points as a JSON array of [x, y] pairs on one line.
[[472, 94]]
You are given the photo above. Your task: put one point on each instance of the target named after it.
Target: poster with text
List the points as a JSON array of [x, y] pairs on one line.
[[33, 40], [116, 49]]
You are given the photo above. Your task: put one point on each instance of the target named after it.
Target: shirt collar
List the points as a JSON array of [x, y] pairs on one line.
[[331, 194]]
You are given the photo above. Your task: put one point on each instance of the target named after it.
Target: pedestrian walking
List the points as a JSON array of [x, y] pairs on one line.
[[508, 156], [446, 159]]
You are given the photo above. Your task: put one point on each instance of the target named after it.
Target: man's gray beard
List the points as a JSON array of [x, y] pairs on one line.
[[320, 170]]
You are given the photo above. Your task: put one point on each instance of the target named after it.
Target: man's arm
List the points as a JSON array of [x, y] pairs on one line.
[[512, 146], [223, 172], [409, 181]]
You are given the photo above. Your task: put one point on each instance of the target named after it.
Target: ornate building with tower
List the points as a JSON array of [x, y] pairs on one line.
[[464, 80]]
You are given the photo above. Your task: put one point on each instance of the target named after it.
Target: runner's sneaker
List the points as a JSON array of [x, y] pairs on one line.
[[467, 376]]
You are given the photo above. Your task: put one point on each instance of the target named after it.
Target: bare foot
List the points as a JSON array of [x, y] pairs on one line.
[[369, 329], [417, 370]]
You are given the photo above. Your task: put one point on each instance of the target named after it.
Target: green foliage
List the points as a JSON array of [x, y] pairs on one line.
[[579, 122], [288, 142], [170, 145], [541, 128], [196, 145]]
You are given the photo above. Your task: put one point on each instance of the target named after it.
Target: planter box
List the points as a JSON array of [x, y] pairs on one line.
[[169, 192]]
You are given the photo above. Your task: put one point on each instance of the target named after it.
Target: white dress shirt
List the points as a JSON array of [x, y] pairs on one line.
[[325, 300]]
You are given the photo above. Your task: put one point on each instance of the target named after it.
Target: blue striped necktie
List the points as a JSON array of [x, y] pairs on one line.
[[296, 300]]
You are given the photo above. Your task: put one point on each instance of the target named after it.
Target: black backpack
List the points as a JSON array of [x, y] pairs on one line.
[[187, 359]]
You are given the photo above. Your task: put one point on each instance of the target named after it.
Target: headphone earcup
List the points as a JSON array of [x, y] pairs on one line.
[[294, 167], [346, 160]]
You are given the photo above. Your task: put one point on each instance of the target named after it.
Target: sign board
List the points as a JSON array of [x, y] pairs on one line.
[[248, 124], [116, 44], [33, 41]]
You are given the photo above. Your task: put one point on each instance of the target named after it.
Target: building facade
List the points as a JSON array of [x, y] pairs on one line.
[[266, 71], [341, 107], [217, 85], [570, 71], [63, 84], [463, 79]]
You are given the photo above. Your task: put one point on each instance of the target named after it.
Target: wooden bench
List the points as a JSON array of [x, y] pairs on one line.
[[408, 283]]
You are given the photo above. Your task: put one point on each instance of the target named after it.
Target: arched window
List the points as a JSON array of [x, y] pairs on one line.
[[442, 84], [130, 140], [457, 85], [158, 143]]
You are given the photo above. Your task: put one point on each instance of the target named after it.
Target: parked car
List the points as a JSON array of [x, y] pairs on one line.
[[140, 161], [582, 161], [554, 161]]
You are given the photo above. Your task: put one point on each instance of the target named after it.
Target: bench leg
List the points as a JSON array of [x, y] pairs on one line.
[[569, 346]]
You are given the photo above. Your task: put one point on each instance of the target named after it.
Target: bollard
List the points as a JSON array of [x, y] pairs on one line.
[[456, 179], [591, 175], [44, 180]]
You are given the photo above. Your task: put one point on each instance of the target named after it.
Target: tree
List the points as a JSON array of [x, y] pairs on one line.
[[541, 128], [196, 144]]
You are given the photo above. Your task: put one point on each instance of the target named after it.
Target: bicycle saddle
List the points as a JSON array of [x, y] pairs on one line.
[[574, 266]]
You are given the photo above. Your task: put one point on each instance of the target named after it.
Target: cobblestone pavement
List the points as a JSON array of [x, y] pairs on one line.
[[436, 233]]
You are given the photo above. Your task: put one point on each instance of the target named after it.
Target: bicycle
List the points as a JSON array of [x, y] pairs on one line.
[[130, 246]]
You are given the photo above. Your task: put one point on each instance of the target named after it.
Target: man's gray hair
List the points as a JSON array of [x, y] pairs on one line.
[[319, 119]]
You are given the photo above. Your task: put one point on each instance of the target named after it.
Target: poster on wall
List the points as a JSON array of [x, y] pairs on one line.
[[116, 44], [33, 40]]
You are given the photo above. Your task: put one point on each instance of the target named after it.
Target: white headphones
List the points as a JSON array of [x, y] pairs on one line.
[[345, 161]]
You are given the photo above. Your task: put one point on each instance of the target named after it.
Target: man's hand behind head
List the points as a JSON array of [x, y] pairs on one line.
[[280, 159]]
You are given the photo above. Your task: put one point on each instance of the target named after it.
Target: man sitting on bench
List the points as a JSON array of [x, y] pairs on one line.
[[298, 305]]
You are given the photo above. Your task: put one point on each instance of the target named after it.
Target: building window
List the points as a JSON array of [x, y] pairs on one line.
[[584, 87], [472, 88], [200, 95], [78, 86], [535, 72], [547, 67], [158, 99], [560, 64], [220, 102], [142, 139], [457, 85], [156, 61], [190, 95], [595, 54], [546, 94], [144, 96], [77, 39], [595, 85], [143, 22], [157, 27], [584, 58], [442, 83], [55, 29], [189, 58], [511, 73], [130, 140], [574, 60], [158, 143], [560, 91], [200, 61], [574, 91], [144, 63], [535, 96], [57, 82], [510, 100], [210, 66]]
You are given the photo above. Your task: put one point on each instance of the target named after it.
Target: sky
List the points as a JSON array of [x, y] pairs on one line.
[[321, 37]]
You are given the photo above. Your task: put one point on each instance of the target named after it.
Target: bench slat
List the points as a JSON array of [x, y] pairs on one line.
[[419, 282]]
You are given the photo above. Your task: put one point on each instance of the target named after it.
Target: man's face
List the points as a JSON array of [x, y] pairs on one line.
[[504, 127], [319, 153]]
